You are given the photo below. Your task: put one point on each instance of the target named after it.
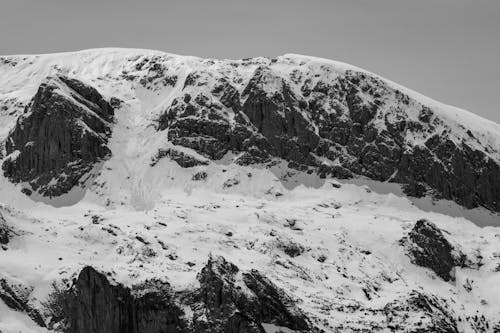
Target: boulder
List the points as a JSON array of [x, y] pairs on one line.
[[428, 247]]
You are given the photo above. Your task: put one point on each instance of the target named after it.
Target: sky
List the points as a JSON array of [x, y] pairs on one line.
[[445, 49]]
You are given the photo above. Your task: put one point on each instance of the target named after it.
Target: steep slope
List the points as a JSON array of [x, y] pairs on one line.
[[198, 195]]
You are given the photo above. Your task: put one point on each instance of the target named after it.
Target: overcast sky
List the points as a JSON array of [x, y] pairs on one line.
[[446, 49]]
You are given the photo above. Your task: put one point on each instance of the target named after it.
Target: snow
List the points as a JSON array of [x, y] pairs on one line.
[[356, 227], [15, 322]]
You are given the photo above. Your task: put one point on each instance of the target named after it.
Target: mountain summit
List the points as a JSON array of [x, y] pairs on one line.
[[292, 194]]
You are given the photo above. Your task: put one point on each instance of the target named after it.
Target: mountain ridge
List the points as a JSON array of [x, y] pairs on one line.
[[244, 196], [328, 98]]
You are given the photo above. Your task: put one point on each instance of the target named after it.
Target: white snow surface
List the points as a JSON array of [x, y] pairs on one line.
[[356, 227]]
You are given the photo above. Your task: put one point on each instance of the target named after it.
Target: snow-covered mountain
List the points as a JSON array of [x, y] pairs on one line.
[[149, 192]]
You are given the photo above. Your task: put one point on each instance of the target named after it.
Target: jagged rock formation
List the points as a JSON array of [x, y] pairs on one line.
[[61, 135], [428, 247], [227, 300], [352, 124], [93, 304], [241, 302]]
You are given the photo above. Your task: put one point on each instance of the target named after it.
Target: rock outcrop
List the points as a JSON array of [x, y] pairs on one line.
[[183, 159], [419, 313], [227, 301], [428, 247], [5, 231], [352, 124], [93, 304], [16, 297], [234, 301], [61, 135]]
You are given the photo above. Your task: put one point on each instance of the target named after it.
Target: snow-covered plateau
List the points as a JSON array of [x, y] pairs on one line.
[[147, 192]]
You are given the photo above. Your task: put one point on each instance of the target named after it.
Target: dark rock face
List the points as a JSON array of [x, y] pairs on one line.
[[94, 305], [219, 305], [277, 117], [461, 173], [428, 247], [220, 297], [62, 134], [420, 306], [356, 123]]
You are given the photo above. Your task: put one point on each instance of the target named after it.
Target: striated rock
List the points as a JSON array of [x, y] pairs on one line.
[[428, 247], [61, 135], [460, 172], [274, 305], [274, 111], [249, 300]]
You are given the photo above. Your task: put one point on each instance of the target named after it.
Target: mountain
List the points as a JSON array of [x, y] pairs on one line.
[[151, 192]]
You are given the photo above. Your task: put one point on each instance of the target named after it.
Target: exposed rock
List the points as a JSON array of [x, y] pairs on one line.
[[60, 137], [275, 113], [230, 183], [202, 175], [355, 124], [183, 159], [292, 249], [94, 305], [419, 313], [16, 297], [221, 304], [428, 247], [5, 231], [223, 296]]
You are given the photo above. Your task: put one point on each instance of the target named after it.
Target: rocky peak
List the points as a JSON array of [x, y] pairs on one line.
[[61, 135]]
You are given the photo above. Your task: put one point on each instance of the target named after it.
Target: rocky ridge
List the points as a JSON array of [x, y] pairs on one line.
[[315, 114]]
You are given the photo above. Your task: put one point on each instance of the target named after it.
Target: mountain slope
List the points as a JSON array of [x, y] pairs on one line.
[[160, 178], [312, 112]]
